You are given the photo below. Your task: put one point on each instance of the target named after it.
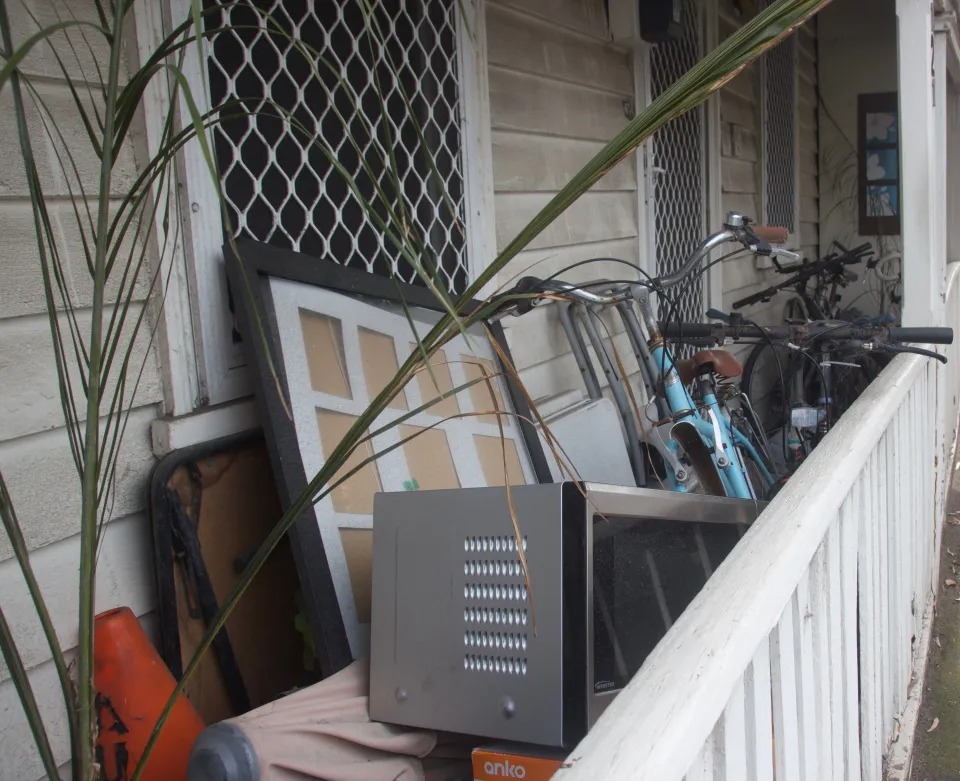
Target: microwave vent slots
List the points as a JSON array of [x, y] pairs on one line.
[[504, 665], [493, 587]]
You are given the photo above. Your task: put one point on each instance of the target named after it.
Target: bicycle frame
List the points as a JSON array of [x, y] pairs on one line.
[[718, 432], [675, 404]]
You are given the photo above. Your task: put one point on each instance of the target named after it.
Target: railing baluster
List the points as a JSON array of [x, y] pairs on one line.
[[869, 635], [703, 766], [806, 679], [786, 706], [820, 628], [849, 546], [890, 521], [834, 600], [757, 689], [732, 738], [882, 568]]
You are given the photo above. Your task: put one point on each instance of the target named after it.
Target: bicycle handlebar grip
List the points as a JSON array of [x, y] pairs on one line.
[[768, 293], [770, 233], [929, 335], [691, 330]]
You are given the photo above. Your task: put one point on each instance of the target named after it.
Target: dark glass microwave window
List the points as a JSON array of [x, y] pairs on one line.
[[645, 573]]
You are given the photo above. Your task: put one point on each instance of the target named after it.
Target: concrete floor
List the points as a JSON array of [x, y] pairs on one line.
[[937, 753]]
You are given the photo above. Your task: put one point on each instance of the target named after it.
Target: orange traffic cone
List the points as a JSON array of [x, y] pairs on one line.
[[133, 685]]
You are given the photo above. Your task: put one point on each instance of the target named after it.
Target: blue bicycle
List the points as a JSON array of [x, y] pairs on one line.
[[702, 440]]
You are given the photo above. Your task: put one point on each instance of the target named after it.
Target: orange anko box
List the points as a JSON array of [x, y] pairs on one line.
[[511, 762]]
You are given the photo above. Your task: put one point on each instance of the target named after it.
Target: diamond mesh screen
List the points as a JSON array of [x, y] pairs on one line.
[[780, 134], [371, 95], [678, 157]]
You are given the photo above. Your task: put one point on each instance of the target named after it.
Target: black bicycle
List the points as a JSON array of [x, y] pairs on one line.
[[825, 376]]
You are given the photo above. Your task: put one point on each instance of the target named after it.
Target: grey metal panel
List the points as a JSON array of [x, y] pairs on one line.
[[654, 503], [425, 625]]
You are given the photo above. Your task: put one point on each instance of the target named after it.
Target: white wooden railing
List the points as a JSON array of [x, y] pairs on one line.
[[796, 659]]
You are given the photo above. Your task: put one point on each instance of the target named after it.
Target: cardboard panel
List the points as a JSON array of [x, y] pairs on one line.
[[323, 345], [356, 494], [429, 459], [358, 549], [238, 506], [491, 452], [474, 368], [379, 358], [440, 382]]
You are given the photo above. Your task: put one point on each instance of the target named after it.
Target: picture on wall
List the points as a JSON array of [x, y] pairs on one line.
[[878, 152]]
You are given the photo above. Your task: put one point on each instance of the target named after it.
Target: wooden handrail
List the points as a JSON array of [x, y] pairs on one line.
[[657, 726]]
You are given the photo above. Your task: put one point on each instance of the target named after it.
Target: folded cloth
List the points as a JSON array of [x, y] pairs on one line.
[[325, 732]]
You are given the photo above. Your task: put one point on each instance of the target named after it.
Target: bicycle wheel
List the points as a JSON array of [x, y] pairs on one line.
[[850, 381], [755, 469], [772, 376]]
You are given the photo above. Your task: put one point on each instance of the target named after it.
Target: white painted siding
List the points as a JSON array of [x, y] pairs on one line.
[[742, 168], [557, 94], [34, 455]]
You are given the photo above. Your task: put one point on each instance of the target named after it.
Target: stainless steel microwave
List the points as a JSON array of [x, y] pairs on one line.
[[461, 642]]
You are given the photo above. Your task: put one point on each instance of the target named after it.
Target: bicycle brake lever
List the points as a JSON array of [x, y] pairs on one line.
[[716, 314], [887, 347]]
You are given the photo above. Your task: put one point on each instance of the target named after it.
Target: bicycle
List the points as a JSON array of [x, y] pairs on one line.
[[820, 334], [695, 433], [832, 380]]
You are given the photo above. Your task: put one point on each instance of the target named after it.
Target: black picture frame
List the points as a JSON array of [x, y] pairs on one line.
[[250, 267], [871, 224]]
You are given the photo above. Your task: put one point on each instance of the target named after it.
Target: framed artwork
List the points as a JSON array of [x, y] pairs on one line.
[[879, 191], [336, 336]]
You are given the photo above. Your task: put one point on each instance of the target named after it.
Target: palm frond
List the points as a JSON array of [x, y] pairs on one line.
[[21, 682], [11, 525]]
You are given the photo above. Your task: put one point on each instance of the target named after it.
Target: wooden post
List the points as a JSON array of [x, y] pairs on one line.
[[923, 304]]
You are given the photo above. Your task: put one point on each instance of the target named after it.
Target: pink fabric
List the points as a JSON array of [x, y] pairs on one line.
[[325, 732]]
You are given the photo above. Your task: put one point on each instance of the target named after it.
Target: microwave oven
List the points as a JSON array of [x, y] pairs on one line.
[[462, 641]]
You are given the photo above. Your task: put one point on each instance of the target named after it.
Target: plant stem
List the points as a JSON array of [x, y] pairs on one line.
[[91, 450]]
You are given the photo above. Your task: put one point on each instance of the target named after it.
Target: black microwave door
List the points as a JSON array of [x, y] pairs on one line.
[[645, 573]]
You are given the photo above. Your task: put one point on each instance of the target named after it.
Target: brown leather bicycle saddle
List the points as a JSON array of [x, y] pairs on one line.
[[720, 362]]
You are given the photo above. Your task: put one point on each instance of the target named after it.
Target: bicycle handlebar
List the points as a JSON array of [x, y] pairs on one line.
[[870, 336], [929, 335], [770, 233], [807, 332], [736, 227], [802, 274]]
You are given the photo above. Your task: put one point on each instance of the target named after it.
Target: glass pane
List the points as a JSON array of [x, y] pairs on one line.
[[883, 200], [882, 126], [323, 344], [474, 369], [379, 358], [428, 459], [882, 164], [355, 495], [645, 573], [491, 452], [436, 382]]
